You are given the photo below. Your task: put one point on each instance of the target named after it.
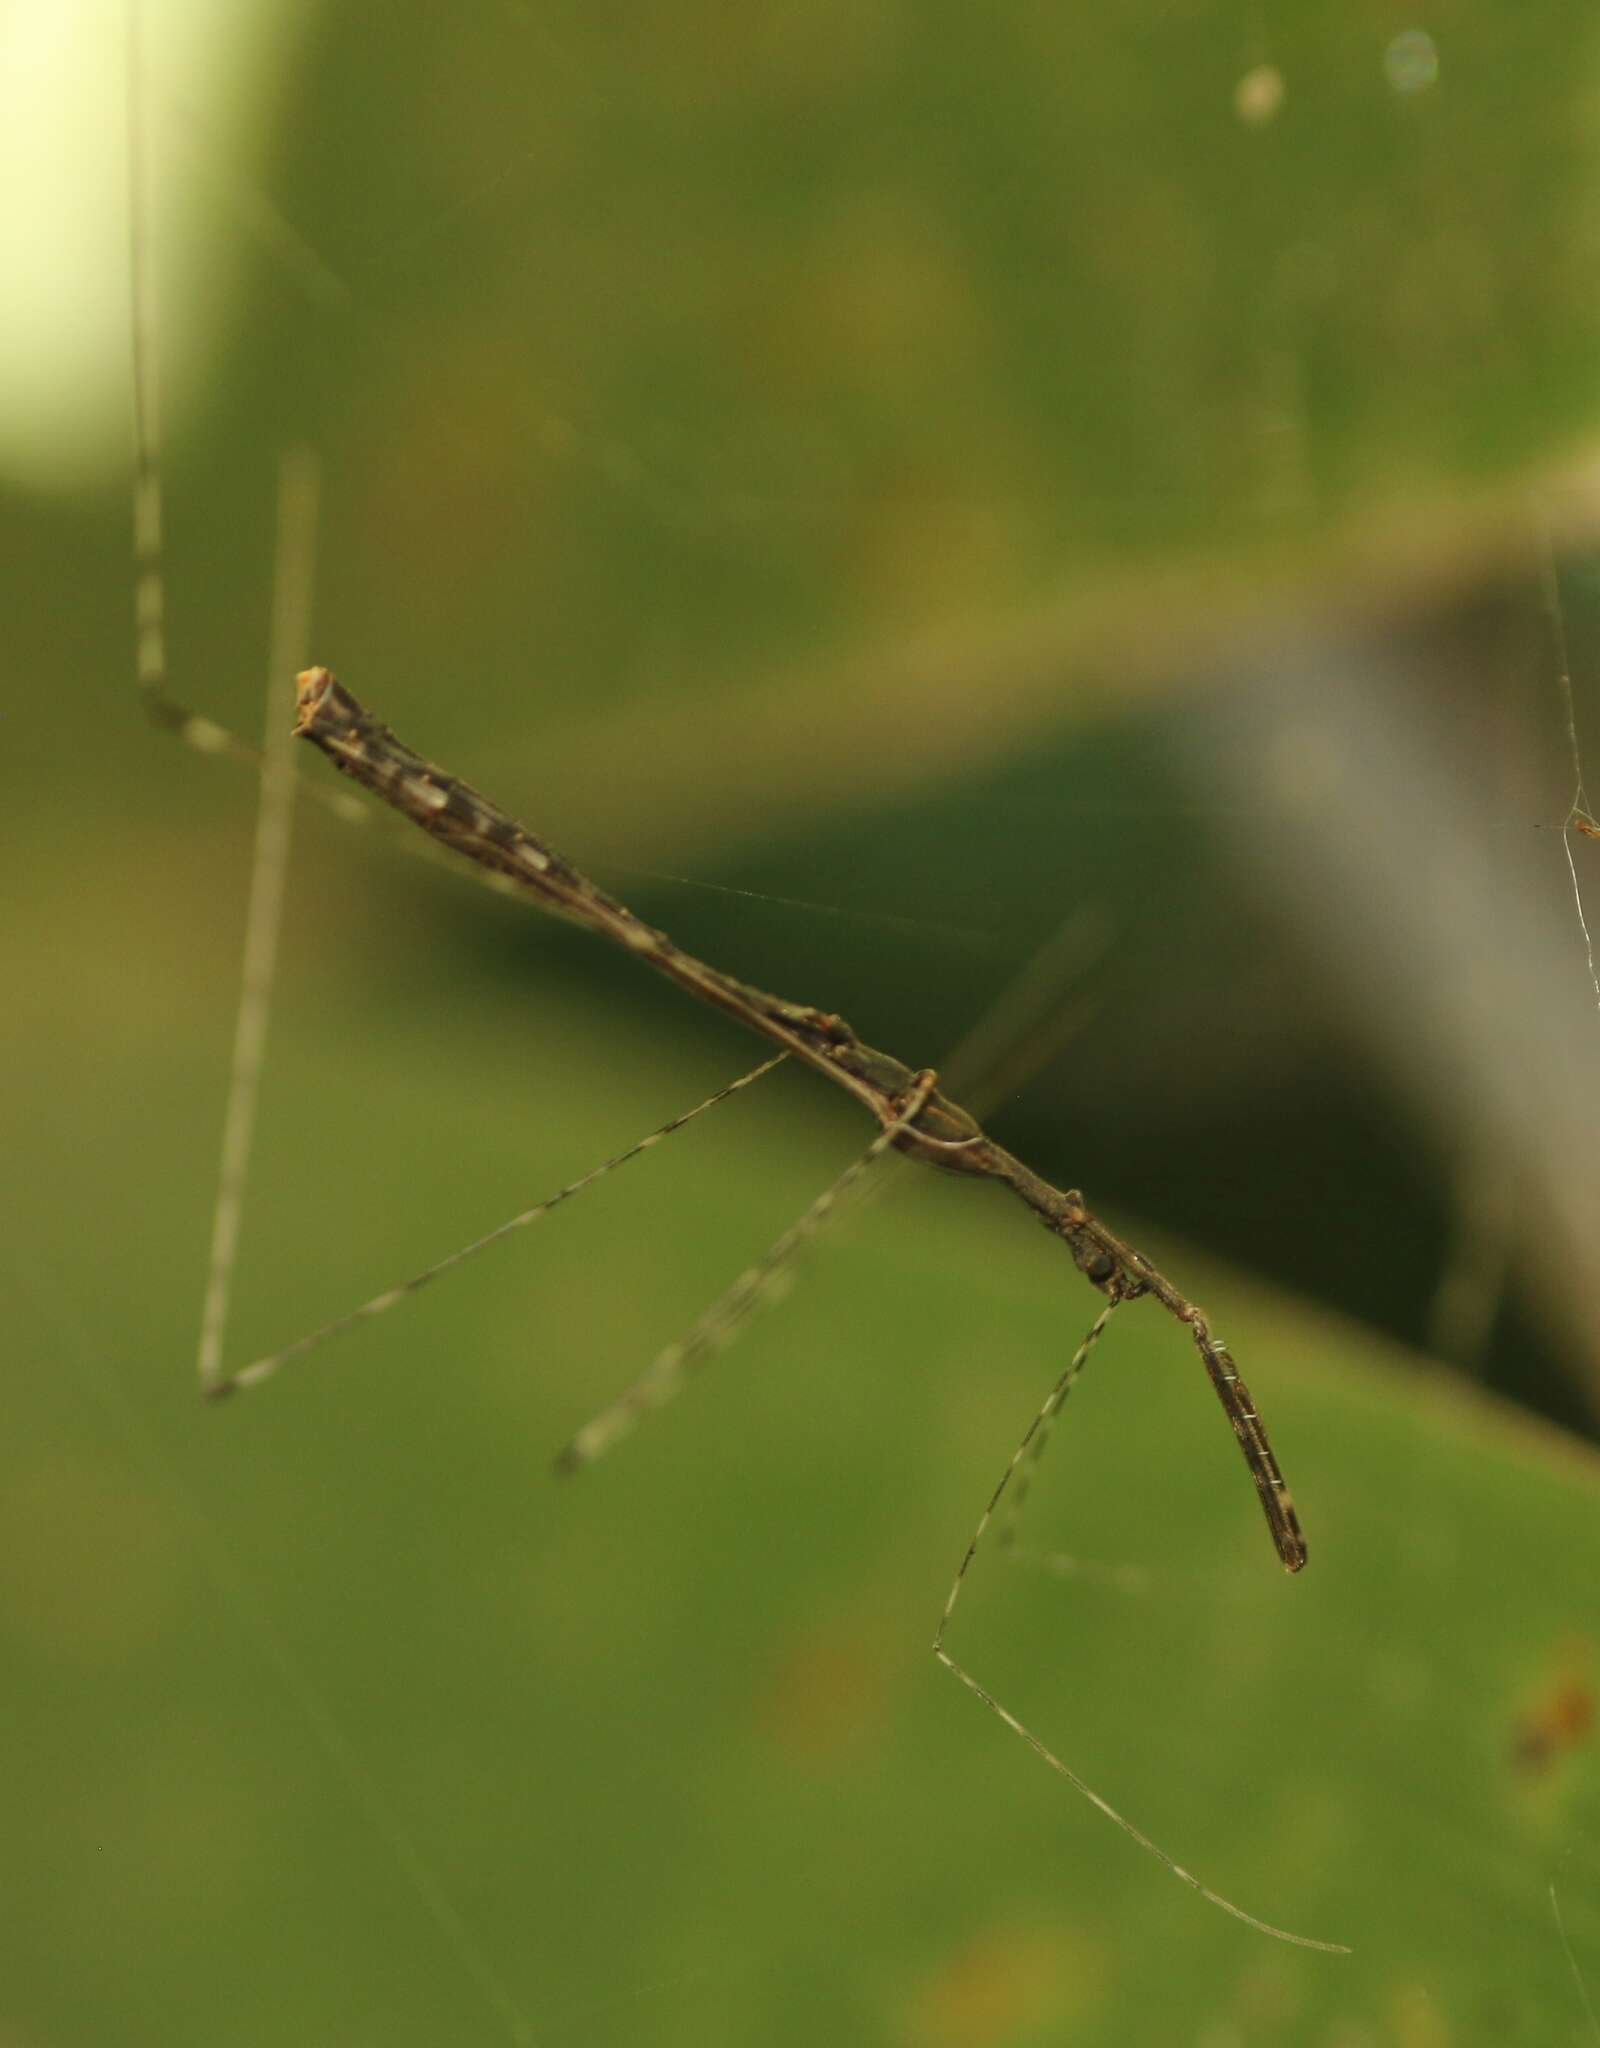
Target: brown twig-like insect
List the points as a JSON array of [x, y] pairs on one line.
[[916, 1119]]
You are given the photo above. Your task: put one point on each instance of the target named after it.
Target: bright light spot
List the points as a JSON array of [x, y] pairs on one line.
[[1258, 95], [64, 399], [1411, 62]]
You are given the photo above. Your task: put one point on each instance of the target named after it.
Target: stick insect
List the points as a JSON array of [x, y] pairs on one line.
[[914, 1118]]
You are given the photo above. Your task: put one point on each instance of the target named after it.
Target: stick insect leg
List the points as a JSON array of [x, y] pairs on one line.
[[1012, 1495], [167, 712], [296, 552], [1020, 1469], [149, 581], [263, 1368], [1022, 1460], [666, 1373], [292, 581]]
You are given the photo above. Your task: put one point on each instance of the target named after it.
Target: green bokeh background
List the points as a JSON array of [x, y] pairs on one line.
[[793, 451]]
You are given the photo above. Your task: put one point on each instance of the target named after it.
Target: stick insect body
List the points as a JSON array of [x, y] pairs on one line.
[[916, 1119]]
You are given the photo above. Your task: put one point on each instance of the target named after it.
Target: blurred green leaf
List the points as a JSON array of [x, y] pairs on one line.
[[733, 421], [670, 1737]]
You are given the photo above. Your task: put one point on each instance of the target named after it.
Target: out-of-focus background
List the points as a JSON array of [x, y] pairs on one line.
[[924, 503]]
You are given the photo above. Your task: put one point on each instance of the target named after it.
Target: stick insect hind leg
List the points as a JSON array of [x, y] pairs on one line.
[[1014, 1482]]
